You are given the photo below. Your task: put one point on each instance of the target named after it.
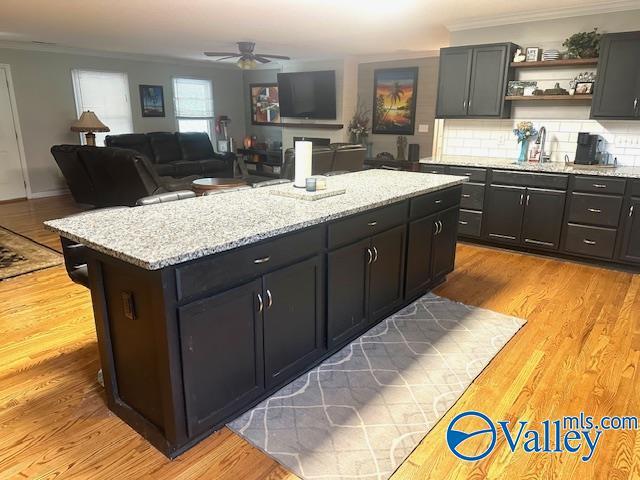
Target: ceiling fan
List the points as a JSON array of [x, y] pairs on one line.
[[246, 58]]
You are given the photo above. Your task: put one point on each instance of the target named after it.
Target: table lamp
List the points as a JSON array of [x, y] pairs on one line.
[[89, 123]]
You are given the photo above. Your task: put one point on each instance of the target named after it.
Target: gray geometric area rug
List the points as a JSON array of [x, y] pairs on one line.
[[362, 411]]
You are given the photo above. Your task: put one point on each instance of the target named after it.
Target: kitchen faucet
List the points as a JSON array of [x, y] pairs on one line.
[[542, 138]]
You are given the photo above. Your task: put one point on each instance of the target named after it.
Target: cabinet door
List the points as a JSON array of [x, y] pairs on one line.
[[503, 213], [347, 274], [453, 82], [618, 81], [418, 270], [631, 233], [544, 210], [387, 272], [487, 86], [293, 319], [222, 357], [444, 243]]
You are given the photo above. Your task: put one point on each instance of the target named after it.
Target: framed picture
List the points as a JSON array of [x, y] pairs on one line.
[[152, 100], [265, 103], [533, 54], [584, 88], [394, 100]]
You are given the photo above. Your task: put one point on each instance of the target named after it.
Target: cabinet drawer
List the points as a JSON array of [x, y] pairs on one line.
[[603, 210], [365, 224], [635, 188], [430, 168], [226, 269], [434, 202], [599, 185], [472, 196], [469, 223], [525, 179], [592, 241], [475, 174]]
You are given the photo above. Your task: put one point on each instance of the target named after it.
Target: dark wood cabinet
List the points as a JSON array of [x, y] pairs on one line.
[[444, 243], [222, 330], [347, 295], [630, 251], [419, 247], [472, 81], [503, 213], [293, 320], [542, 224], [387, 272], [617, 88]]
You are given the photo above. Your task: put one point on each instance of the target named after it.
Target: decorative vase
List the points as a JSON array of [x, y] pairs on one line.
[[524, 148]]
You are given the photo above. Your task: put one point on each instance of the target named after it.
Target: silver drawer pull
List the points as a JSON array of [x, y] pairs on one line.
[[269, 299], [258, 261], [372, 224], [468, 174], [375, 254], [260, 303], [589, 242], [438, 202], [369, 256], [462, 222], [466, 195], [594, 210], [631, 211], [496, 235], [538, 242], [599, 185]]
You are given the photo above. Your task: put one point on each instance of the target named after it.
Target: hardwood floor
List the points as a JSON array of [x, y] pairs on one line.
[[579, 351]]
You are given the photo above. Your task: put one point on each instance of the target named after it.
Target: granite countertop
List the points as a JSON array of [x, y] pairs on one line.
[[549, 167], [156, 236]]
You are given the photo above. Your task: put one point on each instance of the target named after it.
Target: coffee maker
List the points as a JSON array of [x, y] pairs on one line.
[[589, 149]]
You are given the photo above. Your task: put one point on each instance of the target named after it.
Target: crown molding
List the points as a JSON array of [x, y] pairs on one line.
[[397, 56], [548, 14]]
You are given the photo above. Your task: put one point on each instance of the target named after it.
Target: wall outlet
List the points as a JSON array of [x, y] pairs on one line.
[[423, 128]]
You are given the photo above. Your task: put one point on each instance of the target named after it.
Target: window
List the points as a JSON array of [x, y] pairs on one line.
[[194, 105], [107, 95]]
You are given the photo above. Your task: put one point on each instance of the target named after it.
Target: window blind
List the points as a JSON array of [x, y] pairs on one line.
[[193, 98]]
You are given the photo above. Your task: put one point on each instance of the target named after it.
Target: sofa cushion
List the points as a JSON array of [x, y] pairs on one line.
[[165, 147], [184, 168], [213, 166], [195, 146], [133, 141], [165, 169]]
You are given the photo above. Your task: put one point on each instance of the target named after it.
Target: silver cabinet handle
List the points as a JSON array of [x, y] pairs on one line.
[[631, 211], [635, 103], [437, 228], [258, 261], [589, 242], [594, 210], [521, 198], [260, 303], [466, 195], [528, 198], [369, 256], [269, 299], [372, 224], [464, 103], [599, 185], [441, 226], [496, 235], [375, 254], [538, 242], [462, 222], [438, 202], [469, 104]]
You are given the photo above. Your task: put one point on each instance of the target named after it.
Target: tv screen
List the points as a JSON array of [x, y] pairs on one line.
[[308, 94]]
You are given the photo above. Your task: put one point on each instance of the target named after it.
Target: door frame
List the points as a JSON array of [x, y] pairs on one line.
[[16, 123]]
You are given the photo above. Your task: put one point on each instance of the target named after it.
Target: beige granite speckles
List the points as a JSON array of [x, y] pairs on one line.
[[550, 167], [156, 236]]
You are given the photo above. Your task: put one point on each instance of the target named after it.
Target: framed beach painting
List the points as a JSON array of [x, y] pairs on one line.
[[394, 100], [265, 104], [152, 100]]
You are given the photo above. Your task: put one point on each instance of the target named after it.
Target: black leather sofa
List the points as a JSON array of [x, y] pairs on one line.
[[326, 160], [108, 177], [177, 154]]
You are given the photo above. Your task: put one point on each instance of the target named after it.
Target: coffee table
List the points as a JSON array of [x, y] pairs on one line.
[[202, 186]]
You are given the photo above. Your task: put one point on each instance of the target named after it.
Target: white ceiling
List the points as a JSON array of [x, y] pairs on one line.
[[302, 29]]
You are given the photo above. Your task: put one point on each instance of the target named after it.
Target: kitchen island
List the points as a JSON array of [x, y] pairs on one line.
[[206, 306]]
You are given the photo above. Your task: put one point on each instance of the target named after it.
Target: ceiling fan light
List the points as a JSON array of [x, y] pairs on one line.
[[247, 63]]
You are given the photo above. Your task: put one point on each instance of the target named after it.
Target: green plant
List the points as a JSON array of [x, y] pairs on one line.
[[583, 44]]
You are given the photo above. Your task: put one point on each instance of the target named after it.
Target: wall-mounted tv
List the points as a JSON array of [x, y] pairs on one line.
[[308, 94]]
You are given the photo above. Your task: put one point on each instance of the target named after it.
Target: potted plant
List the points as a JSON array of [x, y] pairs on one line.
[[583, 44], [359, 126]]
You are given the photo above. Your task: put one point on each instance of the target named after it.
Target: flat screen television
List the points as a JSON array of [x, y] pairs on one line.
[[308, 94]]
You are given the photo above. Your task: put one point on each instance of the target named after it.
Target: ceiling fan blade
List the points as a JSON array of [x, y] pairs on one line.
[[227, 58], [280, 57], [221, 54], [261, 59]]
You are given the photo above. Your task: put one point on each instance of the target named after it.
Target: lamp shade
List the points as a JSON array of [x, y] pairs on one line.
[[89, 122]]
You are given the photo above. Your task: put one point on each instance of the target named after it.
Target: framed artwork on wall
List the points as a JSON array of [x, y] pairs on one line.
[[394, 100], [152, 100], [265, 104]]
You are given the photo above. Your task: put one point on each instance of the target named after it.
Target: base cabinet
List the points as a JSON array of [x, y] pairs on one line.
[[503, 213], [387, 271], [542, 224], [630, 251]]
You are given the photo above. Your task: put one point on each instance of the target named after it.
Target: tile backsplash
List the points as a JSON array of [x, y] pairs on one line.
[[494, 138]]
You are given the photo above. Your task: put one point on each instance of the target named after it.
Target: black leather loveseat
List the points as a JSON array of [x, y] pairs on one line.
[[177, 154]]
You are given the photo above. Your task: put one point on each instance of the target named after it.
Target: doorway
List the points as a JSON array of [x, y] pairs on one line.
[[12, 178]]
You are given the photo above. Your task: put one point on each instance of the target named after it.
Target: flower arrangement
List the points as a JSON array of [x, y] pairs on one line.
[[525, 131], [359, 125]]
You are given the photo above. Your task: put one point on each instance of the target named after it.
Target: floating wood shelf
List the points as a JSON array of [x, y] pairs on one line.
[[316, 126], [540, 98], [573, 62]]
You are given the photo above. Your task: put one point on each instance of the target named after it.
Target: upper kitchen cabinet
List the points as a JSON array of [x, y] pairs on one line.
[[472, 81], [617, 88]]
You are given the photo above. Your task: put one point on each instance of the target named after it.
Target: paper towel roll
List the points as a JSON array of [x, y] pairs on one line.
[[303, 163]]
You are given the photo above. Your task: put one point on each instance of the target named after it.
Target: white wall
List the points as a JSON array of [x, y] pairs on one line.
[[46, 106]]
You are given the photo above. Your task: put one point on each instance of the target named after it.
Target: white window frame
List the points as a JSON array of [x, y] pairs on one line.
[[77, 95], [210, 120]]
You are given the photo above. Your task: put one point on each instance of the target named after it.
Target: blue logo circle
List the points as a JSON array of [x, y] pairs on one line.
[[456, 437]]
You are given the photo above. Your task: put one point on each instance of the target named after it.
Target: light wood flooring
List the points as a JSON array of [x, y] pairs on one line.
[[579, 351]]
